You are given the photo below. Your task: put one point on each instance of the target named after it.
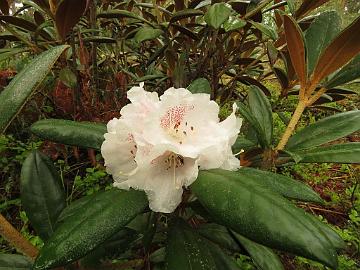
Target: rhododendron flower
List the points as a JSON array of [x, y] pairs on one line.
[[159, 145]]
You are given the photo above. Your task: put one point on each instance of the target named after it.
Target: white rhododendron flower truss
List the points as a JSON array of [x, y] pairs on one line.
[[159, 145]]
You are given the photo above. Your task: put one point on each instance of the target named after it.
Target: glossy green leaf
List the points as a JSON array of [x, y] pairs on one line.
[[263, 257], [147, 33], [14, 96], [14, 262], [242, 143], [200, 85], [324, 131], [321, 32], [187, 250], [266, 30], [100, 218], [347, 74], [42, 193], [261, 215], [337, 153], [234, 23], [82, 134], [249, 117], [281, 184], [219, 235], [217, 14], [261, 110]]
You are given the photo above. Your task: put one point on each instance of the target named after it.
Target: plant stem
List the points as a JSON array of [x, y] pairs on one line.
[[292, 124], [11, 235]]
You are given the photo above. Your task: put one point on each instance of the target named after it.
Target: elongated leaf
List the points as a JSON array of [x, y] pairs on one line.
[[122, 14], [266, 30], [186, 13], [242, 143], [233, 23], [147, 33], [320, 33], [347, 74], [261, 109], [14, 96], [296, 47], [338, 153], [217, 14], [307, 6], [14, 262], [246, 113], [98, 220], [261, 215], [42, 193], [187, 250], [83, 134], [68, 14], [218, 234], [200, 85], [325, 130], [263, 257], [340, 51], [281, 184]]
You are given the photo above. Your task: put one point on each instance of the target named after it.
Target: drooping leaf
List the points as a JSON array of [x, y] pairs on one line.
[[339, 52], [98, 219], [187, 250], [200, 85], [281, 184], [307, 6], [147, 33], [325, 130], [14, 262], [320, 33], [83, 134], [263, 257], [261, 215], [14, 96], [261, 109], [337, 153], [42, 193], [347, 74], [296, 47], [68, 14], [217, 14], [186, 13], [219, 235], [266, 30]]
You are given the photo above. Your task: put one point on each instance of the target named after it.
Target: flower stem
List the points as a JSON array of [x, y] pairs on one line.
[[292, 124], [11, 235]]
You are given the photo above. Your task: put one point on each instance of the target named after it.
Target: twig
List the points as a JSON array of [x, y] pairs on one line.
[[15, 239]]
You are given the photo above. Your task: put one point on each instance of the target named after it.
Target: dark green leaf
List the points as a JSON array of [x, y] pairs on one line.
[[68, 77], [261, 110], [42, 193], [147, 33], [338, 153], [217, 14], [347, 74], [219, 235], [326, 130], [187, 250], [263, 257], [262, 215], [100, 39], [14, 262], [83, 134], [98, 220], [14, 96], [281, 184], [320, 33], [200, 85], [242, 143], [122, 14]]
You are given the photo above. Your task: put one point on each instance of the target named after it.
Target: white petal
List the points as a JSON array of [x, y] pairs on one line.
[[118, 150], [231, 125]]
